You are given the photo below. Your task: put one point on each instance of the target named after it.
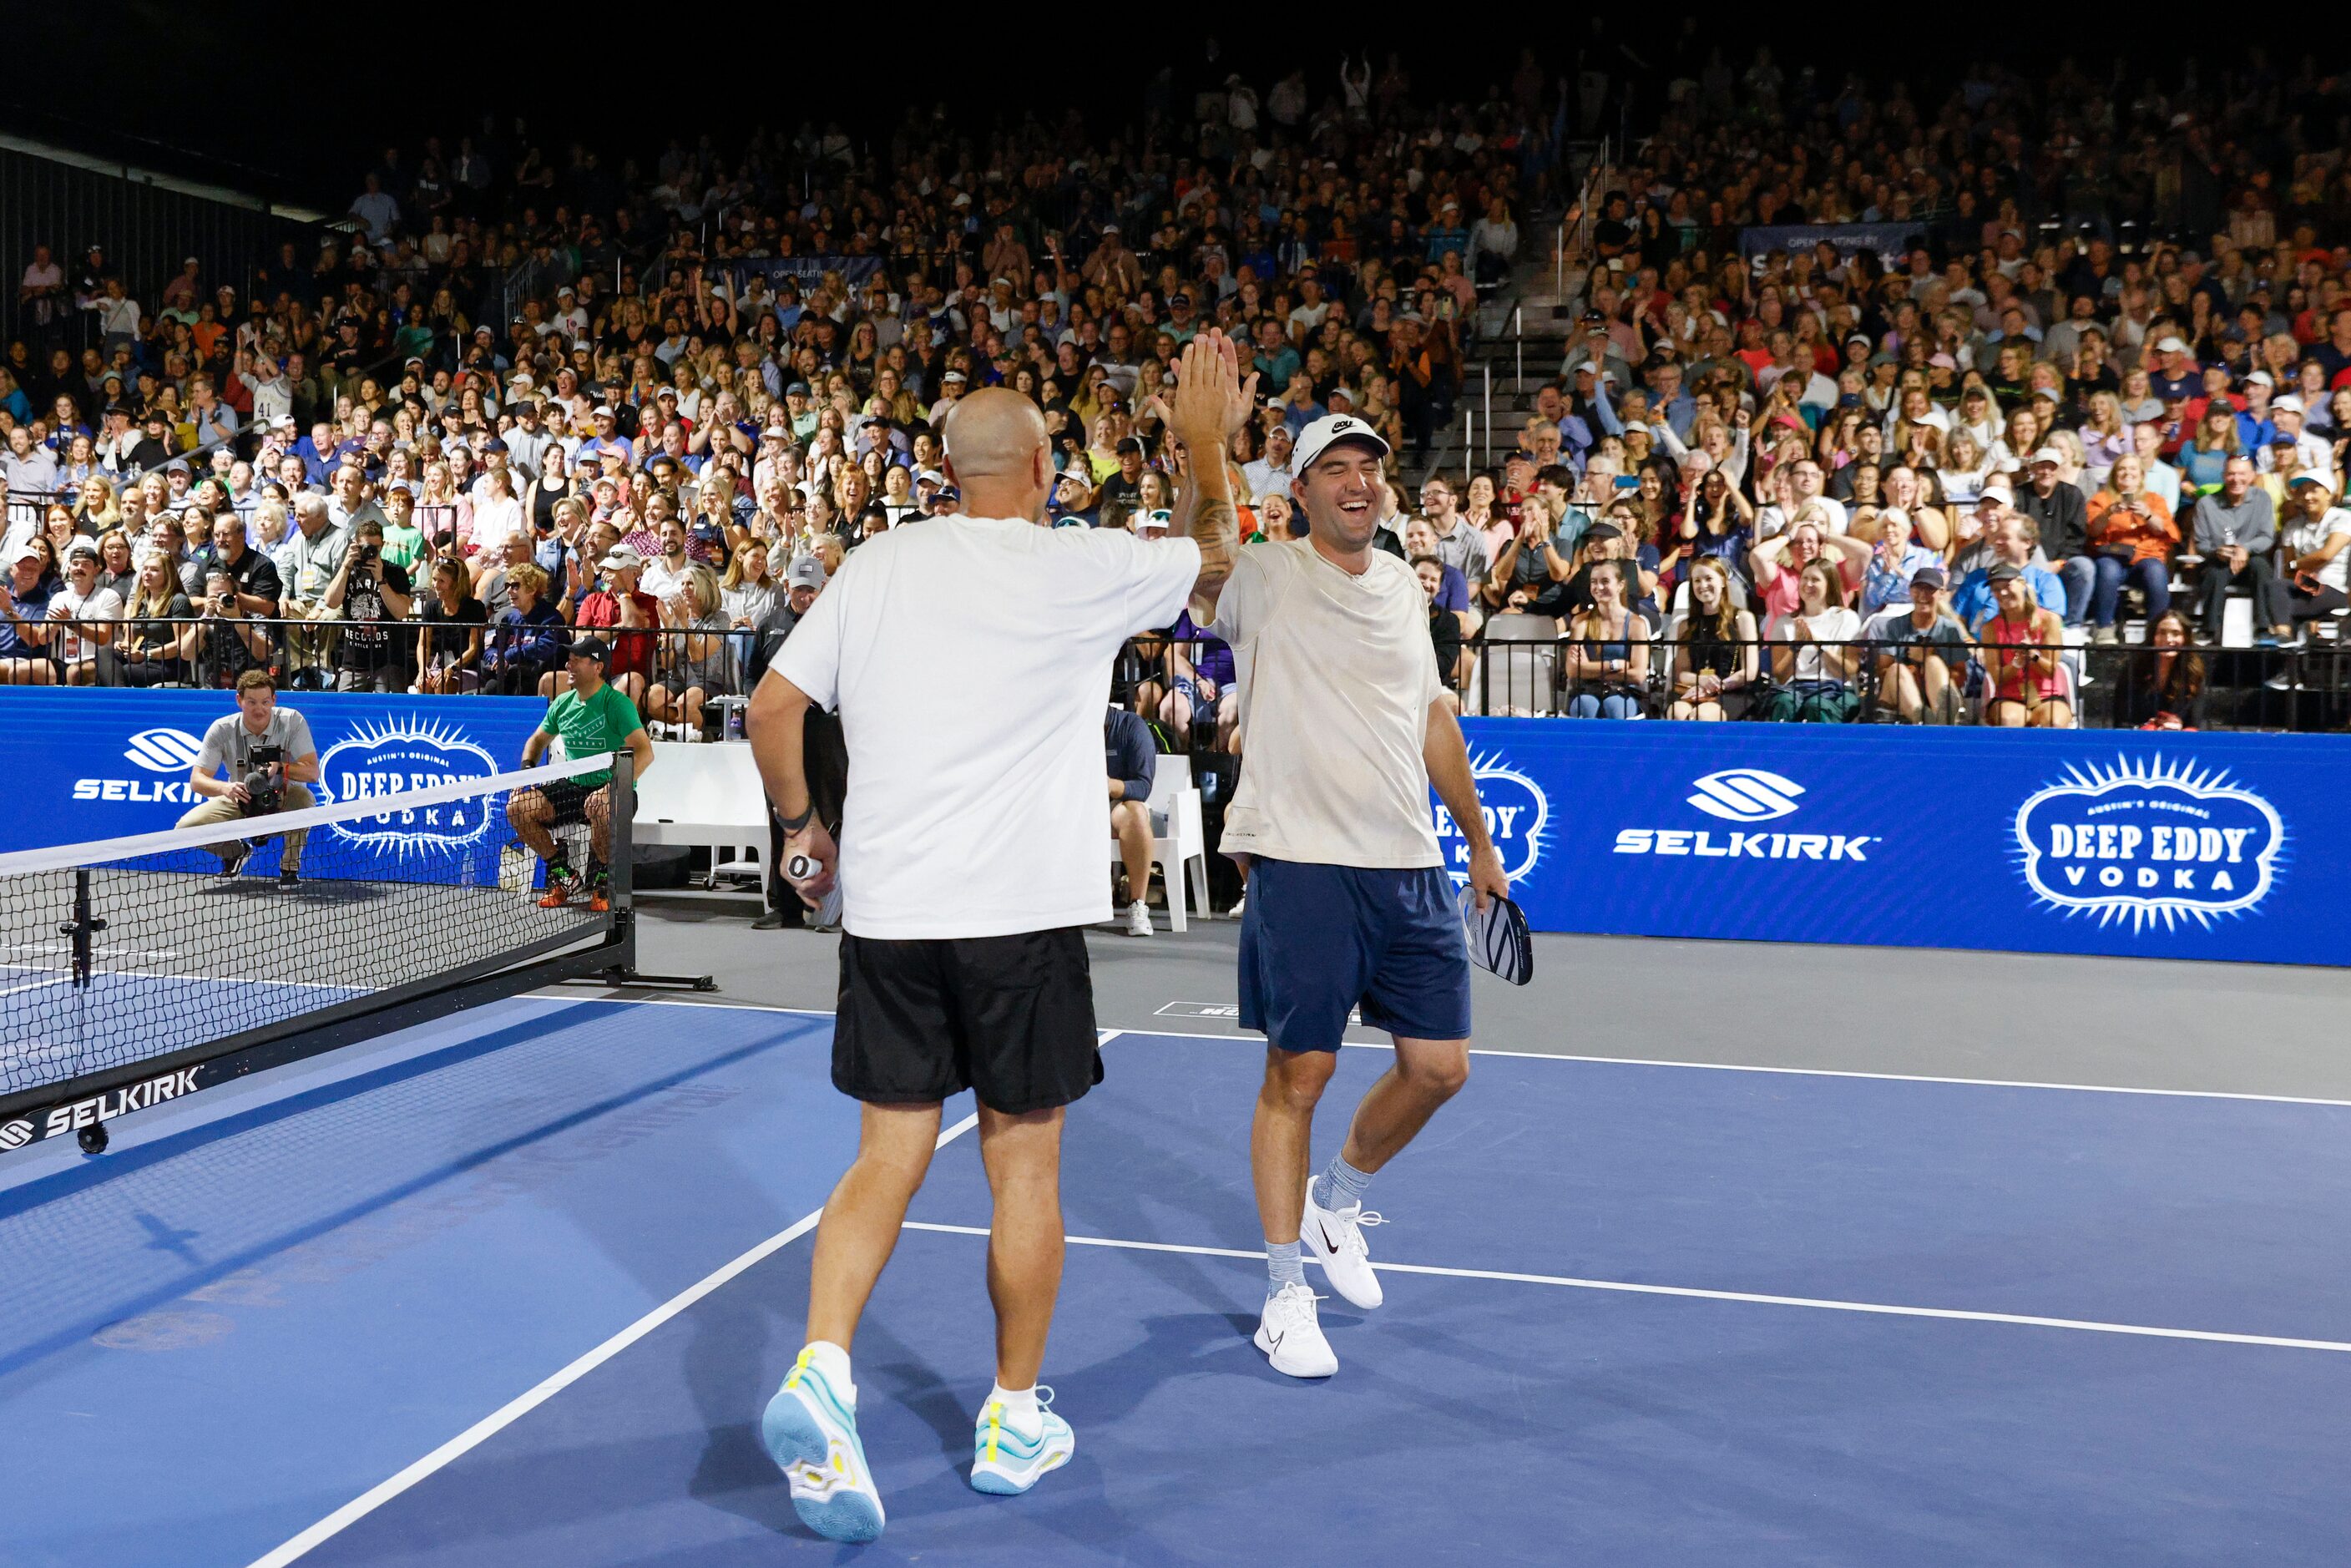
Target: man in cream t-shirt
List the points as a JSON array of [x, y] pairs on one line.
[[970, 862], [1344, 730]]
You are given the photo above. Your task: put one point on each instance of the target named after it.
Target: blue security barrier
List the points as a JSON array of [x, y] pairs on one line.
[[94, 763], [2169, 846]]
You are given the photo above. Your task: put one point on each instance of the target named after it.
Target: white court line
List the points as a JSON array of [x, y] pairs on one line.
[[1604, 1061], [1750, 1297], [514, 1410]]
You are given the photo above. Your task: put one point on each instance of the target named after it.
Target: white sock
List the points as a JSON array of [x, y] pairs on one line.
[[1020, 1407], [834, 1362]]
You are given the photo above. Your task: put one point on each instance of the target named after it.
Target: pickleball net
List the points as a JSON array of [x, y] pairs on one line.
[[136, 969]]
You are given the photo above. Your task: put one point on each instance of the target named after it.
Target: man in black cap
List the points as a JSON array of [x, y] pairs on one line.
[[1917, 674], [594, 719]]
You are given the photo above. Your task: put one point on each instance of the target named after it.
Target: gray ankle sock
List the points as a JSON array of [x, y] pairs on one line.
[[1283, 1266], [1339, 1185]]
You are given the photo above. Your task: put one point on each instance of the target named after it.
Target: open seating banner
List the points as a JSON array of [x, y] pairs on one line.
[[2161, 846], [102, 764]]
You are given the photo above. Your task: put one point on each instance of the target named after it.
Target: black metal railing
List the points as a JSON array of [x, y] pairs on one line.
[[691, 682]]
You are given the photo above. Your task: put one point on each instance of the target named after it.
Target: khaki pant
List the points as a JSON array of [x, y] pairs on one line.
[[310, 647], [220, 810]]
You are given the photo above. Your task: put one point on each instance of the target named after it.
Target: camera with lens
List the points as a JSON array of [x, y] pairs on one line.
[[367, 555], [264, 786]]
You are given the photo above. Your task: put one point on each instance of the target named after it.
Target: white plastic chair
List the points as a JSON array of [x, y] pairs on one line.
[[1179, 845]]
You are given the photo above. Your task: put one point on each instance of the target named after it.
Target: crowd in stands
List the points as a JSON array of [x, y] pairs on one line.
[[2104, 362], [2091, 354], [532, 392]]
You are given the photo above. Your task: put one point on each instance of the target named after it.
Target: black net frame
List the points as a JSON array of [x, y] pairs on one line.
[[84, 937]]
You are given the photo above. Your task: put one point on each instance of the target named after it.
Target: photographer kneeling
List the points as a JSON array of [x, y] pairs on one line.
[[269, 758]]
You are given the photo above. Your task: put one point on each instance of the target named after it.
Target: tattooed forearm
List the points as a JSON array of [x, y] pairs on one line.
[[1205, 512]]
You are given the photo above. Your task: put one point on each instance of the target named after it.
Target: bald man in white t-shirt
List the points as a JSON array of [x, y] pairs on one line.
[[970, 862], [1344, 730]]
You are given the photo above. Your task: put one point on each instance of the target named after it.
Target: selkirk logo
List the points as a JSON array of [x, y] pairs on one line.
[[2149, 842], [390, 758], [1515, 812]]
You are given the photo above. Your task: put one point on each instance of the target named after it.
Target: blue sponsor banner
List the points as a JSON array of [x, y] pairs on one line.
[[94, 764], [2166, 846]]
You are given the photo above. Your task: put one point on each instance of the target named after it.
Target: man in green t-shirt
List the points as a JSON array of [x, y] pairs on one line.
[[594, 717]]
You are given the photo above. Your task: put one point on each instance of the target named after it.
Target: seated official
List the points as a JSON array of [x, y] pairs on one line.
[[1133, 763], [593, 719]]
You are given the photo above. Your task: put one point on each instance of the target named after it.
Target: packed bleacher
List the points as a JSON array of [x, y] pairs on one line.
[[2016, 401], [528, 394], [2024, 402]]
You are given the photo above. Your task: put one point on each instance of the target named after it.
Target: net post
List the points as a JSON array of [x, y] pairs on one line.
[[620, 868], [79, 930], [620, 888]]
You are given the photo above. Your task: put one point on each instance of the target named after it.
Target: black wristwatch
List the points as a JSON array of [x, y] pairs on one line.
[[794, 824]]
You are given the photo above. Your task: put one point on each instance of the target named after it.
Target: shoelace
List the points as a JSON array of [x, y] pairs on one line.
[[1353, 1241], [1296, 1309]]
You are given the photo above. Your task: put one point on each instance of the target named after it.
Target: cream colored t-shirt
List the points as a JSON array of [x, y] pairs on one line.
[[1336, 676]]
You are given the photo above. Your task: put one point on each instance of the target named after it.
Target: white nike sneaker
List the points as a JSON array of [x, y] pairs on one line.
[[1292, 1337], [1138, 919], [1335, 1239], [1006, 1460]]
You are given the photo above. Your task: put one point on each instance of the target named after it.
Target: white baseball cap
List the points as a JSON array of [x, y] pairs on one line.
[[2171, 345], [2287, 404], [1328, 432], [2049, 454]]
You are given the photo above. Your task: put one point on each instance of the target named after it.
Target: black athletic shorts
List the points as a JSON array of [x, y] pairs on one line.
[[1009, 1017], [569, 799]]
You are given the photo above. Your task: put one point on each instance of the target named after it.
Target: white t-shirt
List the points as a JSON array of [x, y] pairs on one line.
[[103, 604], [1335, 674], [970, 658], [2303, 534]]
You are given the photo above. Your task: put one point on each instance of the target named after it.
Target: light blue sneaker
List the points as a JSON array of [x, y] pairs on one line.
[[1006, 1460], [810, 1429]]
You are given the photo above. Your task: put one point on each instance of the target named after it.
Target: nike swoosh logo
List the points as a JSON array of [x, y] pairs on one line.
[[1328, 1244], [1277, 1342]]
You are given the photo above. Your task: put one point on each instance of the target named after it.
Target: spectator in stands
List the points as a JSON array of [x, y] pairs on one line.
[[312, 556], [1133, 763], [694, 662], [1815, 661], [617, 606], [2013, 540], [2162, 682], [1893, 562], [2132, 536], [84, 612], [527, 643], [1778, 562], [449, 644], [159, 632], [229, 643], [1443, 628], [1922, 655], [24, 616], [2061, 513], [256, 762], [1607, 664], [2021, 648], [2315, 566], [369, 592], [2234, 530], [1718, 657]]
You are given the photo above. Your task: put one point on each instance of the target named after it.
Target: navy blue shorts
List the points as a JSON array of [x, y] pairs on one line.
[[1320, 940]]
